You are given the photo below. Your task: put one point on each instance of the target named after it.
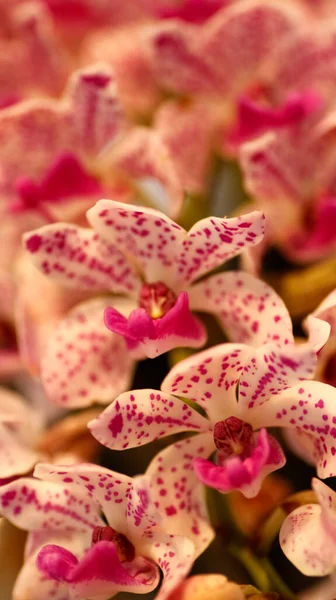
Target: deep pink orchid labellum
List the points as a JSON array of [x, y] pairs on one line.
[[254, 119], [79, 555], [243, 389], [141, 254]]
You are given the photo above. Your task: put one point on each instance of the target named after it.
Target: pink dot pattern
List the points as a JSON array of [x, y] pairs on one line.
[[210, 378], [132, 420], [178, 64], [270, 370], [176, 491], [68, 500], [97, 117], [87, 118], [309, 407], [33, 505], [242, 38], [78, 257], [249, 311], [149, 238], [83, 361], [165, 251]]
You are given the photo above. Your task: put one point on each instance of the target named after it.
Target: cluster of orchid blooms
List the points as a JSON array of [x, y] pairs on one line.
[[154, 156]]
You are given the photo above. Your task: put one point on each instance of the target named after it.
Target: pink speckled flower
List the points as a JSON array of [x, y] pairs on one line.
[[20, 427], [139, 253], [49, 148], [59, 156], [243, 389], [296, 168], [215, 59], [94, 532], [308, 535]]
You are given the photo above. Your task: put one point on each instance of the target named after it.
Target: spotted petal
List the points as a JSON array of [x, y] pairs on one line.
[[149, 238], [102, 487], [272, 168], [178, 494], [142, 416], [31, 504], [305, 537], [308, 406], [178, 64], [175, 555], [247, 308], [77, 257], [165, 251], [96, 113], [213, 241], [125, 502], [187, 130], [238, 39], [270, 369], [83, 362], [210, 378]]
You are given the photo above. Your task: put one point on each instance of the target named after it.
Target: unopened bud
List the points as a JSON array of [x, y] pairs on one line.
[[203, 587]]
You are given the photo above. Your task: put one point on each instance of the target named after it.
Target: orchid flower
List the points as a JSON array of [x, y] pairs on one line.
[[308, 534], [52, 176], [243, 389], [213, 58], [94, 532], [140, 253], [299, 177], [230, 82], [20, 428], [78, 148]]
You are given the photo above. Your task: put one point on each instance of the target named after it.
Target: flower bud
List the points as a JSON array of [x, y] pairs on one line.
[[203, 587]]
